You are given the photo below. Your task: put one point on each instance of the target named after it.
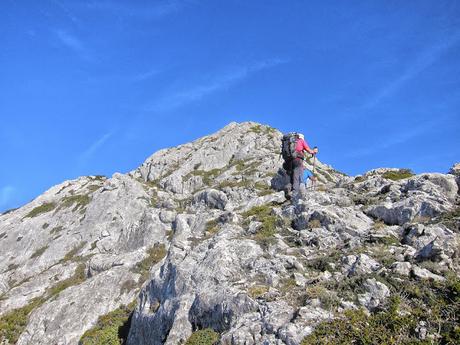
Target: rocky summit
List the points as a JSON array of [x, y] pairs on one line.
[[200, 246]]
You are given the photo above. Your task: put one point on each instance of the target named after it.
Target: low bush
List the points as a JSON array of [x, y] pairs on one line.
[[110, 329], [396, 175], [13, 323], [203, 337], [437, 304]]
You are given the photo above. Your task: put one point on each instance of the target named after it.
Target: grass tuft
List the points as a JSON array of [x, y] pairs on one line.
[[44, 208]]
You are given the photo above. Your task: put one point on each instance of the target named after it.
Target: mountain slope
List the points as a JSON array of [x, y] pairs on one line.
[[201, 236]]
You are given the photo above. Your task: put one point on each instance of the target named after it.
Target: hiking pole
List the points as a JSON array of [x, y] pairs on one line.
[[313, 185]]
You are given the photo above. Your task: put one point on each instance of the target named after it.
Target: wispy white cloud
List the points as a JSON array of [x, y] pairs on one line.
[[424, 60], [96, 145], [6, 194], [148, 11], [223, 81], [73, 43]]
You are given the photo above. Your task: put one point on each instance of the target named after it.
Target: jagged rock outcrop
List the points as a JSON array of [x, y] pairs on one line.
[[201, 236]]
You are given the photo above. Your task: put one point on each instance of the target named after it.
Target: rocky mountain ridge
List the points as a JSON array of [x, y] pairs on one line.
[[200, 238]]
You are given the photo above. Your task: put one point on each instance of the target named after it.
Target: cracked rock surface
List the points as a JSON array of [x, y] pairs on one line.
[[201, 236]]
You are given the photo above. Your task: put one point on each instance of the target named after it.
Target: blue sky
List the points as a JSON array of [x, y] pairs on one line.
[[95, 87]]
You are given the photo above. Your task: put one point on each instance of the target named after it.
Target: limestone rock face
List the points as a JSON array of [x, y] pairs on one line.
[[202, 236]]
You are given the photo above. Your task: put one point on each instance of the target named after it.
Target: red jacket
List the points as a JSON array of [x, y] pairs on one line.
[[301, 145]]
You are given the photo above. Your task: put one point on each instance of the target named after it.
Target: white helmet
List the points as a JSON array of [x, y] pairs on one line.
[[301, 136]]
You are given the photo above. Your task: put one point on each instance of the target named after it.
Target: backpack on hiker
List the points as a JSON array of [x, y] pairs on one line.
[[288, 144]]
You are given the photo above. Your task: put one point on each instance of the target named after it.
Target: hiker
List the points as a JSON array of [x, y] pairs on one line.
[[297, 164], [308, 175], [293, 151]]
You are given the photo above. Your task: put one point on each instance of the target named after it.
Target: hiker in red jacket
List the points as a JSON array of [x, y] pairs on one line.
[[297, 163]]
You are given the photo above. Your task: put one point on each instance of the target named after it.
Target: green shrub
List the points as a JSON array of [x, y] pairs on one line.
[[39, 252], [155, 255], [435, 303], [13, 323], [203, 337], [387, 327], [110, 329], [44, 208], [398, 174]]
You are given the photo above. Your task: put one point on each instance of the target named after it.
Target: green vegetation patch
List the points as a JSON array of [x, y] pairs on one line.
[[261, 129], [435, 303], [78, 277], [110, 329], [203, 337], [258, 291], [39, 252], [78, 201], [154, 255], [451, 219], [56, 230], [13, 323], [212, 227], [207, 176], [94, 187], [386, 327], [398, 174], [71, 254], [263, 214], [43, 208]]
